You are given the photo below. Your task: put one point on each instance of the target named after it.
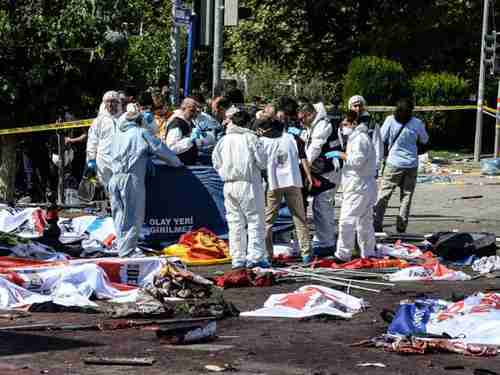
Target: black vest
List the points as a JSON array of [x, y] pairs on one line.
[[190, 156], [322, 164]]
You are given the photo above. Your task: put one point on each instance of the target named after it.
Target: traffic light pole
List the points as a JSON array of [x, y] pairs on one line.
[[480, 91], [218, 43], [497, 126], [174, 66]]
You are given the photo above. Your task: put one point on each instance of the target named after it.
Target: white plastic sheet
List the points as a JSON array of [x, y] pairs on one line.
[[309, 301], [67, 286], [399, 250]]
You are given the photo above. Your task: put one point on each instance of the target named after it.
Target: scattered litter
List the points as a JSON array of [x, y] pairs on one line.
[[490, 167], [486, 265], [188, 334], [119, 361], [482, 371], [215, 368], [371, 364], [212, 348], [468, 197], [245, 278], [431, 179], [399, 250]]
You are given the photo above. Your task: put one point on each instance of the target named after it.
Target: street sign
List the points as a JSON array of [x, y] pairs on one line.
[[182, 16]]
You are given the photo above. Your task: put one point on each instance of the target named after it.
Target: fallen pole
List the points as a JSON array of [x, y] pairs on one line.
[[305, 273], [102, 325], [147, 361], [335, 282]]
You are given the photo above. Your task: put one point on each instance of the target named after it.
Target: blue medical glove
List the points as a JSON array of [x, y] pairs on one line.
[[293, 130], [90, 169], [148, 117], [196, 134], [333, 155], [92, 165]]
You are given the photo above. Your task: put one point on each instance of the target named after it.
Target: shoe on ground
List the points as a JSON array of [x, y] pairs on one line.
[[238, 266], [339, 260], [260, 264], [308, 259], [323, 251]]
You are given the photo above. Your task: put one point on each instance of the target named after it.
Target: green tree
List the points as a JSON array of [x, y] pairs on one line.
[[67, 53], [380, 81]]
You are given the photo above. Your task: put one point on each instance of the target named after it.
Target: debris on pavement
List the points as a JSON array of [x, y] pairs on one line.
[[216, 368], [490, 167], [423, 345], [119, 361], [487, 265], [245, 278], [189, 333], [371, 364]]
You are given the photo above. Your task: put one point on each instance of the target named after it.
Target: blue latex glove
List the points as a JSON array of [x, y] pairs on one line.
[[196, 134], [90, 169], [148, 117], [92, 165], [333, 155], [293, 130]]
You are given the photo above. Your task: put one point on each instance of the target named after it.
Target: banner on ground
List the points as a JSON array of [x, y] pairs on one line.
[[428, 272], [309, 301], [475, 319]]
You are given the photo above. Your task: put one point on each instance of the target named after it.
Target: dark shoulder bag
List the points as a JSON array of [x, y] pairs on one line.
[[388, 146]]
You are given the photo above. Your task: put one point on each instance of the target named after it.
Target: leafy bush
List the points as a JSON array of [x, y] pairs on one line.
[[439, 88], [446, 128], [380, 81], [268, 81]]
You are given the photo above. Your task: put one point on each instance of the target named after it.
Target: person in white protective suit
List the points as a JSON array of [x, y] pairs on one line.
[[320, 138], [358, 104], [132, 146], [239, 158], [359, 190], [100, 137]]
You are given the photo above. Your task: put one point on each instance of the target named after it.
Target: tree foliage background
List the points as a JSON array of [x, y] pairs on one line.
[[59, 53], [320, 37]]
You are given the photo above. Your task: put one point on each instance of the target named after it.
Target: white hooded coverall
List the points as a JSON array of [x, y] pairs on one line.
[[239, 158], [359, 195], [323, 204], [100, 139], [131, 149]]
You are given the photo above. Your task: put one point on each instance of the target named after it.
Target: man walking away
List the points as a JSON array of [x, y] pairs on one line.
[[401, 132]]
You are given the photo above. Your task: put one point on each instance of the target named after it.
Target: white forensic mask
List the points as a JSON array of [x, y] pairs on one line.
[[347, 131]]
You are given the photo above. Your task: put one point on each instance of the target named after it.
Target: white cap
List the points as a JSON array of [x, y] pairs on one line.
[[133, 111], [110, 95], [357, 99], [232, 110]]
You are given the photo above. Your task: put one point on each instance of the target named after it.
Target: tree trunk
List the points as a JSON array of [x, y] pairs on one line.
[[7, 167]]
